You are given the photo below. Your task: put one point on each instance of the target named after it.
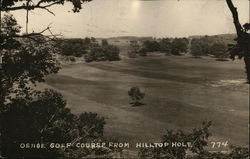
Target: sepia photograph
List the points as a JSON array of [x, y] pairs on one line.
[[124, 79]]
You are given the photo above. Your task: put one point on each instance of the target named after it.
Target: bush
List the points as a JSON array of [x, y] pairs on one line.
[[103, 53]]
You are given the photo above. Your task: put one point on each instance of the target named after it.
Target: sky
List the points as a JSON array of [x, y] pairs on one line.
[[156, 18]]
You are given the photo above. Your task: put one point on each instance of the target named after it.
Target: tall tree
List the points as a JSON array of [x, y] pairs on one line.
[[15, 5], [12, 5], [242, 48], [23, 61], [27, 115]]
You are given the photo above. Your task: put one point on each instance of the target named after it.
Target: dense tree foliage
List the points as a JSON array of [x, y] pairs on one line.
[[241, 49], [209, 45], [104, 52], [174, 46], [12, 5], [29, 116], [235, 153], [196, 149], [179, 45], [75, 47], [165, 45], [198, 138], [151, 46], [45, 120], [24, 61], [35, 117]]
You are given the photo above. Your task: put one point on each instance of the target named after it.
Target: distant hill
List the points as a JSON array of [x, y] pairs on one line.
[[227, 38], [130, 38]]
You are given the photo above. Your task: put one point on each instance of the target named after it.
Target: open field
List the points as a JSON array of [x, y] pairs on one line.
[[181, 92]]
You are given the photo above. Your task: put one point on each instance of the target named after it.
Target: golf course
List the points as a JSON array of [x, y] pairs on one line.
[[181, 92]]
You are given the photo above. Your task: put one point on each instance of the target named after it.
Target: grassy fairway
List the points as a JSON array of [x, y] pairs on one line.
[[181, 92]]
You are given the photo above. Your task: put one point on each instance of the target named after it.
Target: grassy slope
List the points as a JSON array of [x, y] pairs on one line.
[[180, 93]]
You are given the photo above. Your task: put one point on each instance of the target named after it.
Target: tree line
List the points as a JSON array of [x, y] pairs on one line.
[[41, 116], [214, 46], [89, 49], [209, 46]]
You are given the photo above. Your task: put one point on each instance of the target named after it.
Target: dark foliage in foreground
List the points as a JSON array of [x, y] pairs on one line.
[[235, 153], [30, 116], [198, 139], [45, 120], [13, 5], [242, 48], [24, 61]]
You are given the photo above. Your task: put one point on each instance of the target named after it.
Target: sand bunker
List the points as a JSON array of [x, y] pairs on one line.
[[235, 82]]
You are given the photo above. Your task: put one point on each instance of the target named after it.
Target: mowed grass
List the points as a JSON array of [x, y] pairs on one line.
[[181, 92]]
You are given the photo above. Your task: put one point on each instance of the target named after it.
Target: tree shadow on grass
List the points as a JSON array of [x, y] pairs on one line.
[[133, 104]]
